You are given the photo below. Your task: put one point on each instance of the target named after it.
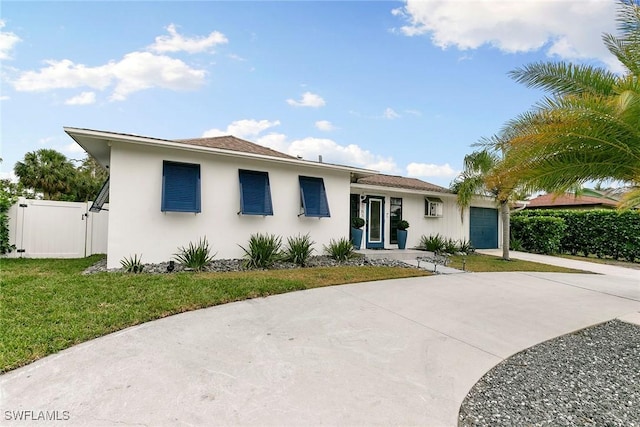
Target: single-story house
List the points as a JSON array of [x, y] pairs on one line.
[[164, 194]]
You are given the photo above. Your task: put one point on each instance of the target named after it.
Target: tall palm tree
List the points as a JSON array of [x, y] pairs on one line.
[[479, 177], [588, 128], [46, 170]]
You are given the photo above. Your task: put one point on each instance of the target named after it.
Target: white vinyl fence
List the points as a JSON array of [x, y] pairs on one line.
[[51, 229]]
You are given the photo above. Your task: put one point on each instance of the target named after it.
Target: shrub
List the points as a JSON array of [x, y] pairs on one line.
[[357, 222], [604, 233], [340, 250], [195, 256], [432, 243], [450, 246], [299, 249], [7, 199], [465, 247], [263, 251], [539, 234], [132, 264], [403, 225]]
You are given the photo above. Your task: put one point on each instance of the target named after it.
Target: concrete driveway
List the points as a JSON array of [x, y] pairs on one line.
[[398, 352]]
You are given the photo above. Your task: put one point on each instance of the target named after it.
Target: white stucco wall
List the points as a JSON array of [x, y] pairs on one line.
[[450, 225], [137, 226]]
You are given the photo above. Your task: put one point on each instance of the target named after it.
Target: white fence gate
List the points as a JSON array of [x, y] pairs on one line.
[[52, 229]]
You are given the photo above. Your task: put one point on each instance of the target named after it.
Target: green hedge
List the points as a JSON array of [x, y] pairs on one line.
[[538, 234], [604, 233]]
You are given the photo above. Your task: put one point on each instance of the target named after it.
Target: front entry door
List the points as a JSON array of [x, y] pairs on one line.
[[375, 223]]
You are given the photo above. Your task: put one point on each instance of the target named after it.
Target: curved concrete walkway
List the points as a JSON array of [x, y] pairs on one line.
[[398, 352]]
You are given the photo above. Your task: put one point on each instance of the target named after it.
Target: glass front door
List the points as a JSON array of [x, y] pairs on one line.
[[375, 223]]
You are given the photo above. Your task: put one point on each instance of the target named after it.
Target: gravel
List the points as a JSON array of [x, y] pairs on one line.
[[223, 265], [587, 378]]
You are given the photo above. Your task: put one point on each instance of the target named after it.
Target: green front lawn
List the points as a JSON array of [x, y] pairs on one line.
[[47, 305], [487, 263]]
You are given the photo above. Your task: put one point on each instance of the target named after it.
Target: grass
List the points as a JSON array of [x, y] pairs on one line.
[[47, 305], [487, 263]]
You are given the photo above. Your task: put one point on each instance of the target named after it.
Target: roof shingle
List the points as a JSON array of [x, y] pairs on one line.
[[232, 143], [401, 182]]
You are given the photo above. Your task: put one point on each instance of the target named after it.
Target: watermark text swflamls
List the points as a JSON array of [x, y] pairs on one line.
[[26, 415]]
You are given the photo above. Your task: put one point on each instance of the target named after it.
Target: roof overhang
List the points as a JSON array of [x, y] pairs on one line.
[[388, 189], [98, 144]]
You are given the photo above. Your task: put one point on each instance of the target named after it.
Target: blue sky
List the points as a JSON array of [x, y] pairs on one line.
[[402, 87]]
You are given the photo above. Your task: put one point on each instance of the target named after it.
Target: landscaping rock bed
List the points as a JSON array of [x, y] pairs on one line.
[[588, 378], [224, 265]]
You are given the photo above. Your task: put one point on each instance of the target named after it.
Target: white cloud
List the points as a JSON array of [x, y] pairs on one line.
[[175, 42], [84, 98], [275, 141], [7, 42], [324, 125], [430, 170], [310, 148], [134, 72], [236, 57], [390, 114], [308, 100], [144, 70], [63, 75], [242, 128], [569, 29], [4, 98]]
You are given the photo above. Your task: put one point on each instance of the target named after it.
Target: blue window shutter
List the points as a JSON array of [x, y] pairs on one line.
[[180, 187], [255, 193], [314, 197]]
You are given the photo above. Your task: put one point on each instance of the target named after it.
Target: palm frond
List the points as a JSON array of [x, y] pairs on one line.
[[565, 78], [631, 199]]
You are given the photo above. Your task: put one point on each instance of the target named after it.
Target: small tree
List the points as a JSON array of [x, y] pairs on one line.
[[480, 177], [88, 180]]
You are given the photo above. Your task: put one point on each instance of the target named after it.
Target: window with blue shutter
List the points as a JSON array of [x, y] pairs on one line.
[[180, 187], [314, 197], [255, 193]]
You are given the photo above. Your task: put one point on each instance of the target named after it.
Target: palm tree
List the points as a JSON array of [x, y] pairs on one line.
[[479, 177], [46, 170], [588, 128]]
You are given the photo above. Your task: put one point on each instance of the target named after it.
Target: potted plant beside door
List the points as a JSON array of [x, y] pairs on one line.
[[402, 234], [356, 231]]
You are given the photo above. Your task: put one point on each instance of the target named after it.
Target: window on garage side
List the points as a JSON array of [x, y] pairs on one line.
[[255, 193], [180, 187], [313, 197]]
